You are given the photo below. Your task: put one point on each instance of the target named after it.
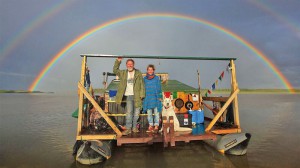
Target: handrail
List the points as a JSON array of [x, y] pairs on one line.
[[158, 57]]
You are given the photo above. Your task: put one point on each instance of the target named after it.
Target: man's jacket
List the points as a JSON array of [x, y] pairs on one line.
[[138, 85]]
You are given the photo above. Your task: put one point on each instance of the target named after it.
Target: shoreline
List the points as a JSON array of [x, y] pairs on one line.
[[242, 91], [217, 91], [21, 91]]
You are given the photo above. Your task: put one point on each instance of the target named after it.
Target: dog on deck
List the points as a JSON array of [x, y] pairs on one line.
[[168, 110]]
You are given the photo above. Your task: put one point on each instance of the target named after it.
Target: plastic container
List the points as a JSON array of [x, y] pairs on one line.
[[200, 117], [197, 116], [194, 116], [198, 129]]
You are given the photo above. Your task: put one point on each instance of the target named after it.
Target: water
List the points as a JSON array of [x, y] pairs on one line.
[[37, 130]]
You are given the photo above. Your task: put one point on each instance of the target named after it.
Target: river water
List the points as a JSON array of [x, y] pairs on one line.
[[37, 130]]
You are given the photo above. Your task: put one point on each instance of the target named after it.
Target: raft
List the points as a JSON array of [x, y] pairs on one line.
[[93, 143]]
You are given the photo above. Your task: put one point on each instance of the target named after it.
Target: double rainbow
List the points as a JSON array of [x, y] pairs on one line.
[[214, 26]]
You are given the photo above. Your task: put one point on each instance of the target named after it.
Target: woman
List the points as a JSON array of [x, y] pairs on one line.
[[152, 103]]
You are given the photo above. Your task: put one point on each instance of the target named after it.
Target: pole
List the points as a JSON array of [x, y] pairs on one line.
[[200, 96]]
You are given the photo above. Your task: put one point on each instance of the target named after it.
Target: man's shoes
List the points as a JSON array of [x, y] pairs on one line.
[[150, 129], [126, 132], [135, 130]]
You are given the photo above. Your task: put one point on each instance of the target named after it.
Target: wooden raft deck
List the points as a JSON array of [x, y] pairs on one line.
[[150, 138], [142, 137], [167, 135]]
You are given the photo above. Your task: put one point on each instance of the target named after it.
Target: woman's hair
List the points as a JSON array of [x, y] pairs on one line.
[[151, 66]]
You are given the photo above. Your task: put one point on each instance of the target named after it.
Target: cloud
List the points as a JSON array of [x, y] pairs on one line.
[[16, 74]]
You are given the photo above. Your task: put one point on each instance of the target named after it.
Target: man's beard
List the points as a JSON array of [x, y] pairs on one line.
[[130, 69]]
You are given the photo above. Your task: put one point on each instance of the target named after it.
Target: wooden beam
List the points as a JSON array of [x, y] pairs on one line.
[[165, 126], [216, 99], [172, 131], [226, 131], [98, 108], [94, 137], [123, 115], [220, 113], [80, 103], [235, 100]]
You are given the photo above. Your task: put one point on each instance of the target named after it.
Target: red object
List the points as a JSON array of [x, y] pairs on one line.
[[222, 74], [186, 115], [167, 94]]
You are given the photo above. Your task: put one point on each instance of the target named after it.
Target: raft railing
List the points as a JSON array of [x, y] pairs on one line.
[[83, 92]]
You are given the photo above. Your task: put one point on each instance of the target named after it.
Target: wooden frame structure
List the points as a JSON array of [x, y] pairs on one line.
[[166, 137]]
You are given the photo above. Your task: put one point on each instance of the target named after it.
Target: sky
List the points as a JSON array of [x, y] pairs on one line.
[[33, 32]]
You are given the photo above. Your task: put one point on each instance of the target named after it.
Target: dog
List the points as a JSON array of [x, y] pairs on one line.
[[168, 110]]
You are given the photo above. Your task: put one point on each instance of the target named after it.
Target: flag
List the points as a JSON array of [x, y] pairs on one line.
[[222, 74], [213, 87], [228, 67], [206, 94], [209, 91], [217, 82]]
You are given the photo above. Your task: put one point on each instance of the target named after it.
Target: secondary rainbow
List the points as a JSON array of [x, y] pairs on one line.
[[214, 26], [288, 23], [36, 22]]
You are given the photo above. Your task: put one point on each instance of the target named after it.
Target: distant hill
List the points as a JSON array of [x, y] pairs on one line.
[[21, 91]]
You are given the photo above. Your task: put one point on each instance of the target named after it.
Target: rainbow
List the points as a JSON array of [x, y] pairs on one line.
[[284, 20], [214, 26]]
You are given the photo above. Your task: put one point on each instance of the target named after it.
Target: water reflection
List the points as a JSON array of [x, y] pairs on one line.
[[38, 131], [183, 155]]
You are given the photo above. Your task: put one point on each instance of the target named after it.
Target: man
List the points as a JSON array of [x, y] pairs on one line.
[[132, 88]]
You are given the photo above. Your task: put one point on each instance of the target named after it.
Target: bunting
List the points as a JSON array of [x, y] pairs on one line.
[[222, 74], [213, 87], [228, 67], [209, 91]]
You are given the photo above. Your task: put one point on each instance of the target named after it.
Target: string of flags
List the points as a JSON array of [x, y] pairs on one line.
[[215, 84]]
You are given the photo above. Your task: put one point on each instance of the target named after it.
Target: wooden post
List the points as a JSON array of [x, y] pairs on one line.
[[200, 96], [172, 131], [220, 113], [98, 108], [165, 130], [80, 103], [234, 87]]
